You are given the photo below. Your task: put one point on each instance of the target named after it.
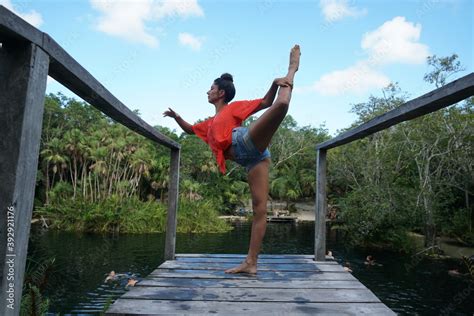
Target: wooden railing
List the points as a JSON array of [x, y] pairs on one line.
[[27, 57], [439, 98]]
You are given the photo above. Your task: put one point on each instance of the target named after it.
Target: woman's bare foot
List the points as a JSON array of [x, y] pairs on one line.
[[245, 267], [294, 58]]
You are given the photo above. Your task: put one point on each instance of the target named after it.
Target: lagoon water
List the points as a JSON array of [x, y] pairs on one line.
[[76, 284]]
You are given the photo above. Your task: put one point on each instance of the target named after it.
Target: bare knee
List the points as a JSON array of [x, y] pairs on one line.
[[282, 104], [259, 208], [283, 98]]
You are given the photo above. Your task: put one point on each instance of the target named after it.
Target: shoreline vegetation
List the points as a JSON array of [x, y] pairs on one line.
[[129, 216], [95, 175]]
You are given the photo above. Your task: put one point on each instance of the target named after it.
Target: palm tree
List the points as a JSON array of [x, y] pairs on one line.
[[74, 147], [53, 156]]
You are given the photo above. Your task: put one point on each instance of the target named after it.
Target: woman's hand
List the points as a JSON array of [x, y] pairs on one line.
[[170, 113], [188, 128], [283, 82]]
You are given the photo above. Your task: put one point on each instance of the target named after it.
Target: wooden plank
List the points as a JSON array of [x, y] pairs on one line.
[[23, 76], [224, 255], [260, 260], [172, 216], [253, 295], [252, 283], [173, 264], [261, 275], [14, 28], [447, 95], [321, 207], [154, 307], [67, 71]]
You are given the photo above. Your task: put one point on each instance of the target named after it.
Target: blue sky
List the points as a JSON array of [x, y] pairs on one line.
[[157, 54]]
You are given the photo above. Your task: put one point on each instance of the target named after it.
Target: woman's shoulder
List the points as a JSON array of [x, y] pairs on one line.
[[205, 120]]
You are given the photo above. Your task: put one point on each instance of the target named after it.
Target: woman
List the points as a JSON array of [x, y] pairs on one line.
[[246, 146]]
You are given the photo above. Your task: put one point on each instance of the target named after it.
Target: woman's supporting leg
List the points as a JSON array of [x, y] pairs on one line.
[[262, 130], [258, 182]]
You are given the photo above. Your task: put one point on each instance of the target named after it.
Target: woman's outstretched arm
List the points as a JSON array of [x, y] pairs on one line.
[[270, 96], [188, 128]]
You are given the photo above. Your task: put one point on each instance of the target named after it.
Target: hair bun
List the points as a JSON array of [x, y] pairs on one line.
[[227, 76]]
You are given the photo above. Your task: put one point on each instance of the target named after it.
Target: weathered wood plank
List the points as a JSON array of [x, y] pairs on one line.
[[202, 290], [23, 75], [172, 213], [310, 267], [253, 295], [224, 255], [261, 275], [432, 101], [154, 307], [321, 207], [244, 283], [260, 260], [14, 28]]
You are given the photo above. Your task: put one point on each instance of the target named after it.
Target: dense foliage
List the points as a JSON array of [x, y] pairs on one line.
[[96, 175]]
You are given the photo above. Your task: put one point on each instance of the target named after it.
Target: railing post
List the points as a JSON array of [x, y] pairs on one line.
[[23, 76], [321, 207], [173, 194]]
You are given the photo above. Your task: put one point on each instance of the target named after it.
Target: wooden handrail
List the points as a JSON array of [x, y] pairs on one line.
[[447, 95]]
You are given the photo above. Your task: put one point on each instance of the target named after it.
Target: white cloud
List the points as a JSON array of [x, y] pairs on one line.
[[32, 17], [131, 20], [358, 78], [177, 7], [190, 40], [335, 10], [396, 41]]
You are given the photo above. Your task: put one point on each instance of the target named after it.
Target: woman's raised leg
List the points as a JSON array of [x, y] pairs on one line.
[[262, 130]]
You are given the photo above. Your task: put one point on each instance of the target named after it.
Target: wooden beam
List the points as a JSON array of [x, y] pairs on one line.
[[172, 216], [67, 71], [432, 101], [16, 29], [253, 295], [22, 85], [262, 266], [250, 283], [149, 307], [321, 207], [262, 275]]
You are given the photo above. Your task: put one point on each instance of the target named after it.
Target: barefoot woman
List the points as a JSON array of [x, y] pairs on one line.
[[246, 146]]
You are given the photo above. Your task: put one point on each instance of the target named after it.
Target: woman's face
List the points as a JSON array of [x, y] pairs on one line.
[[214, 94]]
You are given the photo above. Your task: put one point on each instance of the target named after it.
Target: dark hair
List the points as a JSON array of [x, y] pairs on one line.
[[226, 82]]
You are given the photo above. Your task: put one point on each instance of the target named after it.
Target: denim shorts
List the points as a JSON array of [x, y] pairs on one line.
[[245, 152]]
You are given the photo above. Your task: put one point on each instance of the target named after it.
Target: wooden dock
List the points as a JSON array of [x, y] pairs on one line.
[[284, 285], [281, 219]]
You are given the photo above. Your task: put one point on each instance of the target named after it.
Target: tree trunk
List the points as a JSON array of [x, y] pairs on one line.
[[47, 183], [430, 228], [469, 209]]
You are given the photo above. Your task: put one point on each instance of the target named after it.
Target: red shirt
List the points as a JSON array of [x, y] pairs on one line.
[[216, 131]]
